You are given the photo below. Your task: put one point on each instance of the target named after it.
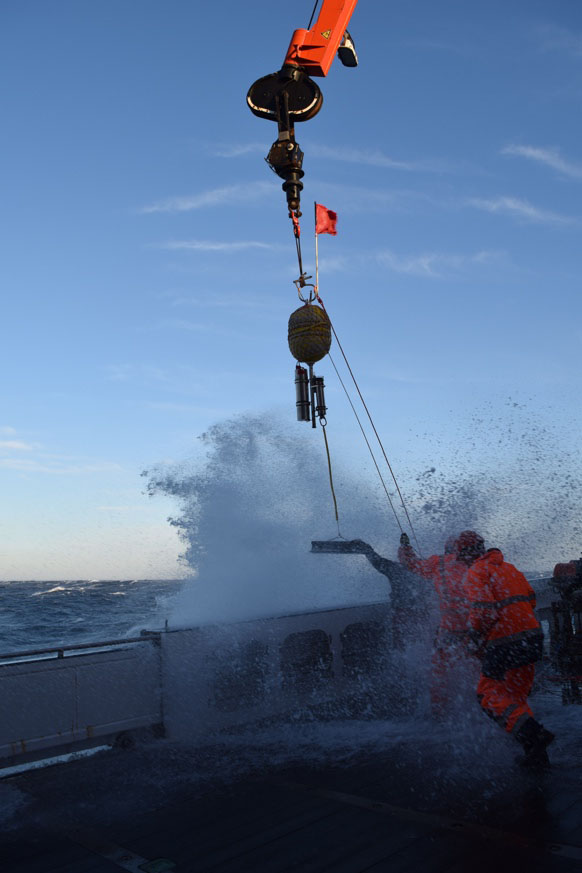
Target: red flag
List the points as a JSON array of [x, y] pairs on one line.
[[325, 220]]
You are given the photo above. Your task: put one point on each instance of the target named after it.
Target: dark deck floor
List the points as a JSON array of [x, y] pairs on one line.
[[220, 809]]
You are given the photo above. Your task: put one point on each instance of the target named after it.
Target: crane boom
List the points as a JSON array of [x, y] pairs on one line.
[[315, 49]]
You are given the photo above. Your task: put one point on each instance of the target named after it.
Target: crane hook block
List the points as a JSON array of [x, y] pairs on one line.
[[289, 92], [309, 333]]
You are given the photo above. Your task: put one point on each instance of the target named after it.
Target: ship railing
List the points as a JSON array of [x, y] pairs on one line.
[[67, 699], [191, 683], [66, 651]]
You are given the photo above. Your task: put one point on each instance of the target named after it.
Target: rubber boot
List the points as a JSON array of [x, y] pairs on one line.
[[535, 739]]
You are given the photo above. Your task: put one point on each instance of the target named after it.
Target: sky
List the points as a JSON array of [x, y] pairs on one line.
[[148, 263]]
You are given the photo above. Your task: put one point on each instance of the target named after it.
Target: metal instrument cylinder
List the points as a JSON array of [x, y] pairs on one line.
[[320, 407], [302, 394]]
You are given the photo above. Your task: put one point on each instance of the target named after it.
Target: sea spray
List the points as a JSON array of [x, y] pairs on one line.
[[249, 508], [514, 475], [258, 493]]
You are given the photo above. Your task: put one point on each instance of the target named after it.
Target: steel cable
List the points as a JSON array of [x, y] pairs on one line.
[[316, 4], [367, 443], [388, 464], [377, 435], [323, 427]]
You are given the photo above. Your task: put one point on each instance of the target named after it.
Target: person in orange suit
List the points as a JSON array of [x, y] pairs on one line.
[[508, 639], [450, 646]]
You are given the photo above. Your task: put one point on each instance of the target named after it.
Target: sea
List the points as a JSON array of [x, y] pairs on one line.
[[40, 615]]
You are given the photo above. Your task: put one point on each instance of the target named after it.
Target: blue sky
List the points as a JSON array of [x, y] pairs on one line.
[[148, 261]]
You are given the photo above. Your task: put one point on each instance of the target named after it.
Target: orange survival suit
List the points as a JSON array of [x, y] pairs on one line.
[[509, 639], [447, 574]]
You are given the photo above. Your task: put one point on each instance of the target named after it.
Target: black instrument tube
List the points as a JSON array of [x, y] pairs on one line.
[[302, 394]]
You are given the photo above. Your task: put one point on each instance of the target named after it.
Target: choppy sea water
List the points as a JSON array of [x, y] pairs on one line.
[[36, 615]]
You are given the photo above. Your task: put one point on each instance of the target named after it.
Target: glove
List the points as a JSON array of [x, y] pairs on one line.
[[475, 645], [404, 539]]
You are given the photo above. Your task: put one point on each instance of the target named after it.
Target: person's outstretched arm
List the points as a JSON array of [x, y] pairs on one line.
[[409, 559], [382, 565]]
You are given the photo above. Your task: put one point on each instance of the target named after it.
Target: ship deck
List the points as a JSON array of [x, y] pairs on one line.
[[415, 802]]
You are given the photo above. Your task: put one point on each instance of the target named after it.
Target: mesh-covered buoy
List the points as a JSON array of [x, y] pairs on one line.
[[309, 334]]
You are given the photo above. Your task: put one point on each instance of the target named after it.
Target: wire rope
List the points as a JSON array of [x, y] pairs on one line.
[[367, 443], [297, 235], [299, 258], [377, 435], [312, 14], [323, 427], [388, 464]]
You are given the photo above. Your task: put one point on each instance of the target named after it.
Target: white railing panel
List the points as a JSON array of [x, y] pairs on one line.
[[52, 702], [122, 688], [28, 695]]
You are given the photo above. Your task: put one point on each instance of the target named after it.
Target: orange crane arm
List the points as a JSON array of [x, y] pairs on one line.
[[315, 49]]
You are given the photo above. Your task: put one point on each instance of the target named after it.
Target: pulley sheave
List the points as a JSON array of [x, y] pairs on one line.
[[288, 91]]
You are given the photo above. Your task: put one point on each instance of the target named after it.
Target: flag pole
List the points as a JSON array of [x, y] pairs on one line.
[[316, 250]]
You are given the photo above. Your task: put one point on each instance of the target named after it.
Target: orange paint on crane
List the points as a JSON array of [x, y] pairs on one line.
[[315, 49]]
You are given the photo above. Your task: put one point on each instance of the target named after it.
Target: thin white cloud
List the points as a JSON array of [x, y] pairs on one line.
[[236, 151], [180, 380], [211, 300], [185, 324], [551, 157], [198, 245], [15, 445], [56, 467], [464, 49], [358, 198], [212, 412], [129, 508], [333, 265], [522, 209], [374, 158], [214, 197], [555, 38], [434, 265], [345, 154], [132, 372], [45, 461], [119, 372], [198, 327]]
